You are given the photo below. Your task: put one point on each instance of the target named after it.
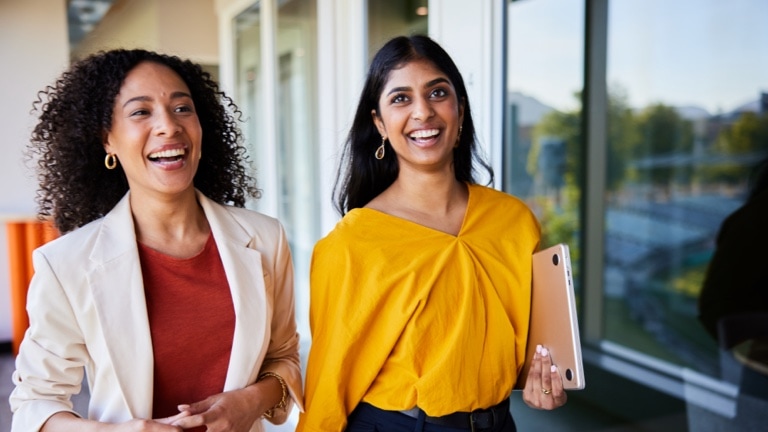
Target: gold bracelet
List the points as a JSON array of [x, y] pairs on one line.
[[283, 400]]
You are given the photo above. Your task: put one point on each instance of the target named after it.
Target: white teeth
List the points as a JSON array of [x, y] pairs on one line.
[[167, 153], [427, 133]]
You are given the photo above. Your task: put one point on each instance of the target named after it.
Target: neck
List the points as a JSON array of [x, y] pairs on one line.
[[174, 225], [435, 193]]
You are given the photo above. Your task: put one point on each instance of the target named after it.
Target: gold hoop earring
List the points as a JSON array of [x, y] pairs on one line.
[[110, 161], [380, 151]]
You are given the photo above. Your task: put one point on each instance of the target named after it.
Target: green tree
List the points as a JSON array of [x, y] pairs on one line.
[[623, 135], [663, 136], [747, 135]]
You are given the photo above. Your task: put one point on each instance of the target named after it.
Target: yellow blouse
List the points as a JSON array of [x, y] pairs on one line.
[[403, 315]]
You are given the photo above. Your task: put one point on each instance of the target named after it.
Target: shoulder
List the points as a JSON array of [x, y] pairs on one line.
[[489, 198], [252, 219], [351, 231], [254, 223], [75, 240]]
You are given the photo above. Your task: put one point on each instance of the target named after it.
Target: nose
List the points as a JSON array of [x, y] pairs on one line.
[[167, 124], [422, 109]]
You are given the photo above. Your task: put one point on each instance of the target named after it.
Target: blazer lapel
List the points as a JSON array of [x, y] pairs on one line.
[[118, 292], [245, 275]]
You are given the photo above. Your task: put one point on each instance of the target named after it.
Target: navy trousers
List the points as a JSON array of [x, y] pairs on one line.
[[368, 418]]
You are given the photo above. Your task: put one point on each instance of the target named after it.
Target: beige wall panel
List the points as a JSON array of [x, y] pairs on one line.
[[128, 24], [33, 52], [196, 36], [187, 28]]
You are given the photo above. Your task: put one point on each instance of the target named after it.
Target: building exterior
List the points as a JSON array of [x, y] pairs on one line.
[[633, 129]]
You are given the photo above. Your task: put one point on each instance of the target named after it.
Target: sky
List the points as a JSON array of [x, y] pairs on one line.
[[707, 53]]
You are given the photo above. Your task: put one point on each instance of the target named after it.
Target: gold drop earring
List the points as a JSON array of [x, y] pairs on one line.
[[381, 150]]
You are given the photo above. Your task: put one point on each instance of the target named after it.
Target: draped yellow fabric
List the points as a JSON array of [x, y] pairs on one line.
[[403, 315]]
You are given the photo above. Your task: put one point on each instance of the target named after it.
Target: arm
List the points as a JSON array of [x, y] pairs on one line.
[[283, 352], [352, 334], [66, 421], [49, 366], [51, 361]]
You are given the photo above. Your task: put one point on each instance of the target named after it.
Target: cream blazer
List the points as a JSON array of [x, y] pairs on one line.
[[88, 314]]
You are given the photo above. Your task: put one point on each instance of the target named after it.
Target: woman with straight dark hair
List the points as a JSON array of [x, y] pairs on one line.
[[420, 296]]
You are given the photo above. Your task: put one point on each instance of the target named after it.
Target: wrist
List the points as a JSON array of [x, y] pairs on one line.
[[283, 401]]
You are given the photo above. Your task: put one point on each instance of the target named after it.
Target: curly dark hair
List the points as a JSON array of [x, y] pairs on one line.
[[361, 177], [67, 144]]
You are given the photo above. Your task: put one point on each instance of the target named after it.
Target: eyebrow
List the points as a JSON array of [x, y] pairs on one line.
[[174, 95], [427, 85]]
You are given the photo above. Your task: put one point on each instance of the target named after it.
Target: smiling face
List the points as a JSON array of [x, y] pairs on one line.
[[155, 132], [420, 115]]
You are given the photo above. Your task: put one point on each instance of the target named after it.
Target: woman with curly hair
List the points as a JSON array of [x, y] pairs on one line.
[[174, 300]]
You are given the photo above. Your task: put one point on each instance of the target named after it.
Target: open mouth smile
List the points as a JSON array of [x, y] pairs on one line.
[[168, 156], [424, 135]]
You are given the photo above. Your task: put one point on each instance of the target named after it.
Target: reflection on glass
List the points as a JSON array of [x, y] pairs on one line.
[[296, 103], [686, 111], [248, 76], [297, 143], [390, 18], [543, 132]]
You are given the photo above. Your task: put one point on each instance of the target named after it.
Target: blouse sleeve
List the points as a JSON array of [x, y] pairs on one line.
[[352, 336]]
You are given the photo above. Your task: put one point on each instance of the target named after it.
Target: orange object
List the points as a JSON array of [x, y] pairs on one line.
[[24, 236]]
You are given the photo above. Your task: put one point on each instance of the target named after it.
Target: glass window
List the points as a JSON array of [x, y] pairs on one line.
[[390, 18], [248, 76], [687, 125], [293, 158], [542, 128], [297, 144]]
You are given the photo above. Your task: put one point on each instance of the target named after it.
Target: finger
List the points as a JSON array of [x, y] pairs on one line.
[[190, 421], [534, 373], [197, 407], [559, 396], [173, 418], [532, 394], [546, 372]]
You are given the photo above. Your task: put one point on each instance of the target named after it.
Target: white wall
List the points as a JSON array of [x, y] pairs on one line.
[[471, 35], [33, 51]]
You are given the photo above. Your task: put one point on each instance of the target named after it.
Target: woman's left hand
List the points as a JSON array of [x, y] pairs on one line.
[[544, 385], [225, 412]]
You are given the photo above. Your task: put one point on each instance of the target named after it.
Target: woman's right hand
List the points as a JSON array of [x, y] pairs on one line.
[[66, 421]]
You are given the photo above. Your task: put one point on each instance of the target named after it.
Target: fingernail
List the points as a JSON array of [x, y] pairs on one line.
[[553, 368], [538, 349], [544, 352]]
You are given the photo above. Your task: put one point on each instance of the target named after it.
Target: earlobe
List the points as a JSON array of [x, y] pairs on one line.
[[105, 141]]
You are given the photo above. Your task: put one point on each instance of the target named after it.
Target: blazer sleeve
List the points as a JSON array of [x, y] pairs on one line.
[[49, 366], [282, 355]]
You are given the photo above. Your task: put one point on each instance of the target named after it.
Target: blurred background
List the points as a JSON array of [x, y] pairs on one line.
[[632, 128]]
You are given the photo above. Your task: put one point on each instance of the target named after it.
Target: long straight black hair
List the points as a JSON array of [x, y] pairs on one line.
[[361, 177]]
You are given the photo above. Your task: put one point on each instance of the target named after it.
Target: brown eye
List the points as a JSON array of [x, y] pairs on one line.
[[399, 98], [438, 93]]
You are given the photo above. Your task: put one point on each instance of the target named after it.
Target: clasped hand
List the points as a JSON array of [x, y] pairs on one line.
[[224, 412]]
